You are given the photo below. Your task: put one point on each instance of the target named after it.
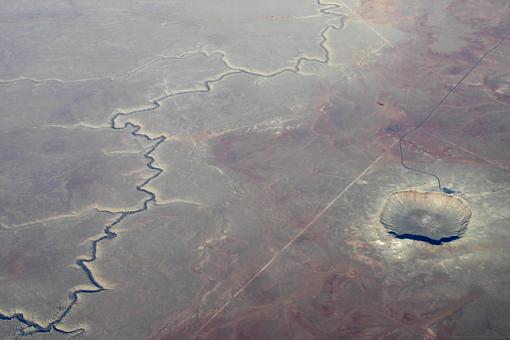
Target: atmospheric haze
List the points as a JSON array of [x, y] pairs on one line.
[[218, 169]]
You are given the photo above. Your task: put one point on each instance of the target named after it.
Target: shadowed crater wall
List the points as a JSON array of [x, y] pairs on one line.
[[431, 217]]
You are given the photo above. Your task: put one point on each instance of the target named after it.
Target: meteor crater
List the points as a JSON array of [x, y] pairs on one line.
[[430, 217]]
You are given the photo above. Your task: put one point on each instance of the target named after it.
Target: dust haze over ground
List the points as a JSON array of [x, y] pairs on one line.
[[217, 170]]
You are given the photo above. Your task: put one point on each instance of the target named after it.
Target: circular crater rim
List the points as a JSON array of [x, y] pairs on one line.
[[426, 216]]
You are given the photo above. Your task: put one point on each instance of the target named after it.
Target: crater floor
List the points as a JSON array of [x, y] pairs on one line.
[[430, 216]]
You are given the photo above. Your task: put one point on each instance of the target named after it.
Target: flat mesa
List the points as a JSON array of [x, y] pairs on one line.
[[431, 217]]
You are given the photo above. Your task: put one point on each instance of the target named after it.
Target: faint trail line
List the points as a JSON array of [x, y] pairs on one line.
[[293, 239], [434, 109], [125, 76], [108, 233], [372, 28], [467, 151]]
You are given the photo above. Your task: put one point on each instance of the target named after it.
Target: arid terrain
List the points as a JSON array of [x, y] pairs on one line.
[[217, 170]]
